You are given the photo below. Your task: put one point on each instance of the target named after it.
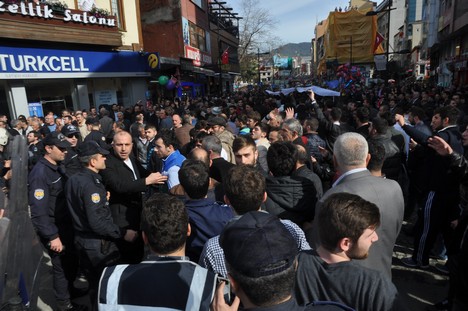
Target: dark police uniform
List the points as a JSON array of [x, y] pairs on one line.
[[94, 228], [98, 137], [51, 219], [72, 163]]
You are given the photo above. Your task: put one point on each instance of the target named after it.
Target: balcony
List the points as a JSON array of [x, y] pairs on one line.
[[29, 21]]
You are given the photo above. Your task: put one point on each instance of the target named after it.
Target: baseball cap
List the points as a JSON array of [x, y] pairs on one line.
[[258, 245], [70, 129], [56, 139], [217, 121], [90, 148]]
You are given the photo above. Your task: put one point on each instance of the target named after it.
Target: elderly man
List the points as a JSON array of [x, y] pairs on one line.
[[350, 154]]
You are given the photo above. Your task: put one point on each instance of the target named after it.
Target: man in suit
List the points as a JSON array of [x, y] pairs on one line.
[[126, 179], [351, 157]]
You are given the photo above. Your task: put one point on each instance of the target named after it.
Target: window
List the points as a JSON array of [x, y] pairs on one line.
[[117, 10], [197, 37]]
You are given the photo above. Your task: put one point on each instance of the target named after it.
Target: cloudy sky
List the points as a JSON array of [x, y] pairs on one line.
[[296, 18]]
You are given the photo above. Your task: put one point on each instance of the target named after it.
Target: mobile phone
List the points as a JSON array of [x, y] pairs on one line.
[[227, 289]]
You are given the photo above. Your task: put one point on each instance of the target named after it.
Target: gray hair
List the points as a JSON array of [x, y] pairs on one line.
[[103, 111], [211, 142], [350, 150], [294, 125], [14, 123]]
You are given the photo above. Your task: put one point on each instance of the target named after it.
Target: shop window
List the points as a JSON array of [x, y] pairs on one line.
[[197, 37]]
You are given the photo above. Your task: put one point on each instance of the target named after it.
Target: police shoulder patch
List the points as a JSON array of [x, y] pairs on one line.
[[96, 198], [39, 194]]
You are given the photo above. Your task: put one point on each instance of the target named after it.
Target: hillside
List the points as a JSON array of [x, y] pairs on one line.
[[294, 49]]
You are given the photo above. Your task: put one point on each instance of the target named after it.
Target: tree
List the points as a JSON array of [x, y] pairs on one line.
[[256, 32]]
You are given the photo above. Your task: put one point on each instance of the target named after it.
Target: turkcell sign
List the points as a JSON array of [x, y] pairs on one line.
[[29, 63]]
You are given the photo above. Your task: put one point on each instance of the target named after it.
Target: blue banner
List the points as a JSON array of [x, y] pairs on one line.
[[30, 63]]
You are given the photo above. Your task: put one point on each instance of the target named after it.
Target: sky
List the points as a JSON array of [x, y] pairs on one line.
[[296, 18]]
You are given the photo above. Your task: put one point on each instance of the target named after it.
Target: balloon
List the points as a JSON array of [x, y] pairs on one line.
[[170, 84], [163, 80]]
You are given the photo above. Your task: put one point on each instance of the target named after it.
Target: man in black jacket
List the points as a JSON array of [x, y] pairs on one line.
[[441, 188], [289, 197], [126, 180]]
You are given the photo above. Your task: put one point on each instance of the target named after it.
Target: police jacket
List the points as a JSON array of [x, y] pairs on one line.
[[47, 199], [125, 190], [98, 137], [72, 163], [88, 206]]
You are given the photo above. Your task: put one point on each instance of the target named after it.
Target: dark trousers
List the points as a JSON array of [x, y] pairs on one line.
[[93, 261], [64, 265], [131, 252], [432, 219]]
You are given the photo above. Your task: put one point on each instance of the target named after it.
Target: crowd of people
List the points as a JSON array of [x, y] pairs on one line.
[[249, 201]]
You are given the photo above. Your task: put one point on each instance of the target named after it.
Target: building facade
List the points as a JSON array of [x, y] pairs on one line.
[[191, 38], [74, 54]]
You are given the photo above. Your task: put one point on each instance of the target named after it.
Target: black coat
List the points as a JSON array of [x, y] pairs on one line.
[[125, 191]]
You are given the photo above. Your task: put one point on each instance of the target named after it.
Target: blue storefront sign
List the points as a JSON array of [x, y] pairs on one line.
[[30, 63], [35, 109]]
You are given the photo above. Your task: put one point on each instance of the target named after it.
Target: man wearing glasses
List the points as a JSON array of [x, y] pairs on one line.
[[71, 162]]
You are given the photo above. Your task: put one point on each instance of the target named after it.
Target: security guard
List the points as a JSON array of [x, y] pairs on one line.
[[50, 216], [95, 134], [95, 231]]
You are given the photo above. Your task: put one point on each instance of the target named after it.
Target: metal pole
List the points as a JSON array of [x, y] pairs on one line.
[[390, 2], [258, 61]]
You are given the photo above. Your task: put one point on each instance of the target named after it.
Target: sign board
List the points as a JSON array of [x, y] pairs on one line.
[[49, 12], [380, 62], [105, 97], [197, 56], [30, 63], [35, 109]]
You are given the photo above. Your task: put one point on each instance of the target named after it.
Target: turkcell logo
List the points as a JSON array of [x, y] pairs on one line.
[[32, 63]]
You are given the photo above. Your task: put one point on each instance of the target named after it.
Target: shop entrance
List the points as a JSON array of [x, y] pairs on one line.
[[53, 94]]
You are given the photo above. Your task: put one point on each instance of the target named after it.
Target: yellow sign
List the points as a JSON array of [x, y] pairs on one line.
[[153, 61]]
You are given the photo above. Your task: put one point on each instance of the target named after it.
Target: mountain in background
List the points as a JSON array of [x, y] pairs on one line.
[[294, 49]]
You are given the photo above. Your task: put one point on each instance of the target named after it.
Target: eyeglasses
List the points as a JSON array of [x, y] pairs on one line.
[[74, 135]]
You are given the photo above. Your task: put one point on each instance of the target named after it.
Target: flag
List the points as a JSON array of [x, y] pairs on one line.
[[225, 57], [378, 39]]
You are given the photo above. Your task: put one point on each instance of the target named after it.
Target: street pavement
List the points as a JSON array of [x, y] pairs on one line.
[[419, 289]]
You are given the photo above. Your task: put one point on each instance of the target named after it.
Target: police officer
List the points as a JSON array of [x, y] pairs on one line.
[[50, 216], [71, 162], [95, 231], [95, 133]]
